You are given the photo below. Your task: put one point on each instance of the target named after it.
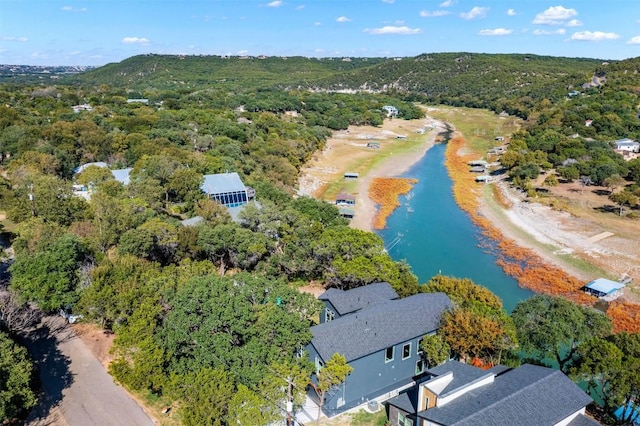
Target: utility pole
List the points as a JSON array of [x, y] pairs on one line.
[[33, 203], [289, 402]]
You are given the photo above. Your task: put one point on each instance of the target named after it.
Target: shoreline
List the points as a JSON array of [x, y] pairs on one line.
[[395, 165]]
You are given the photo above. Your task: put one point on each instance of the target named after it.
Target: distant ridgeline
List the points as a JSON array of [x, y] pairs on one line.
[[434, 74], [38, 74]]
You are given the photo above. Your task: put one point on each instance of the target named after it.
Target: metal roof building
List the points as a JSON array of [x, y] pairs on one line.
[[227, 188], [122, 175], [604, 288]]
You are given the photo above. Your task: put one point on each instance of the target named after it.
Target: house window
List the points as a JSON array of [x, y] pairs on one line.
[[388, 354], [406, 351], [419, 366], [419, 347], [319, 365], [329, 315], [404, 421]]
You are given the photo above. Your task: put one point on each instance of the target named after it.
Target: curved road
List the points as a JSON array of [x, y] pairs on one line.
[[76, 389]]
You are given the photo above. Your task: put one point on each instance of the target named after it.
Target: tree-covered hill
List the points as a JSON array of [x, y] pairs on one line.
[[502, 82], [189, 72], [575, 135], [509, 82]]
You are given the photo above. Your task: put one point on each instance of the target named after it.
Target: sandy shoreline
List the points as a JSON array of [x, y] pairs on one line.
[[561, 239], [365, 209]]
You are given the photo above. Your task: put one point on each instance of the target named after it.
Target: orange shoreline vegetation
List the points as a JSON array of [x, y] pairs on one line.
[[523, 264], [385, 192]]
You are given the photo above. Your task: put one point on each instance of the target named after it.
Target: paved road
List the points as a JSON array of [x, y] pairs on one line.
[[77, 390]]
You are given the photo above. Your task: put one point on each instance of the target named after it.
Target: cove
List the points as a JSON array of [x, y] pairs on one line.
[[435, 236]]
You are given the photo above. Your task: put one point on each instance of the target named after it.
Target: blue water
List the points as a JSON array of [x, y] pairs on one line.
[[437, 237]]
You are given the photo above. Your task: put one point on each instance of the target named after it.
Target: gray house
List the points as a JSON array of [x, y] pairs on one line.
[[227, 188], [379, 336], [463, 395], [338, 303]]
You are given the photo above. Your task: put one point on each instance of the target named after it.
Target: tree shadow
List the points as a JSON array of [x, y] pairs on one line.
[[607, 208], [602, 192], [52, 365]]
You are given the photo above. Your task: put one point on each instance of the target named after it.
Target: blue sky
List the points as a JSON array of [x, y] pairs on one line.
[[96, 32]]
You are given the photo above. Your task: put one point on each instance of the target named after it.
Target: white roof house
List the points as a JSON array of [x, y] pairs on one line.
[[122, 175], [391, 110], [627, 144], [227, 188], [81, 168]]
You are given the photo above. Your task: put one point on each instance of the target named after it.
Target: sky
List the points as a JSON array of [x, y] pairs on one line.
[[97, 32]]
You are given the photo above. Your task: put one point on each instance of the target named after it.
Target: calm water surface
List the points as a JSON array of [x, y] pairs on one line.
[[434, 236]]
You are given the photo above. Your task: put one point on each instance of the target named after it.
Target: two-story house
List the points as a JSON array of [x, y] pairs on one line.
[[379, 335], [463, 395]]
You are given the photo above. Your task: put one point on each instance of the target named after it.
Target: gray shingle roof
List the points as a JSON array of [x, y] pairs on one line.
[[358, 298], [463, 375], [380, 326], [222, 183], [403, 402], [582, 420], [526, 396]]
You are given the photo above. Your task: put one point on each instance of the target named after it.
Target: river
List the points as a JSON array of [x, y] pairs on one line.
[[435, 236]]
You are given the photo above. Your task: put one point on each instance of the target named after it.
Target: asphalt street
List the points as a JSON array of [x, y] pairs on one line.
[[76, 388]]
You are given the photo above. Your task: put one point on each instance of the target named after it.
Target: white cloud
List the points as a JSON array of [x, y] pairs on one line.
[[135, 40], [317, 23], [18, 39], [300, 7], [275, 3], [512, 12], [448, 3], [555, 15], [634, 40], [594, 36], [427, 14], [574, 23], [476, 12], [495, 32], [388, 29], [388, 1], [73, 9], [560, 31], [343, 19]]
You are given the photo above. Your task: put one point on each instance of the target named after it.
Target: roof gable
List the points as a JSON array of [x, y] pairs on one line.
[[463, 375], [358, 298], [380, 326]]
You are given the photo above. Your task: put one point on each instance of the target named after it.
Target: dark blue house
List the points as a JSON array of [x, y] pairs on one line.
[[379, 336]]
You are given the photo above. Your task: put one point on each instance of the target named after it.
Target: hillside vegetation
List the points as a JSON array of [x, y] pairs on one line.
[[190, 72], [216, 304]]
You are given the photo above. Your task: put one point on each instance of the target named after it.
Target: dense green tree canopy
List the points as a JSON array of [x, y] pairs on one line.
[[49, 276], [16, 380], [551, 328]]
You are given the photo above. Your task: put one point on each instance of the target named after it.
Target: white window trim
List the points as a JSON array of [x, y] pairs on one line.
[[404, 346], [393, 354], [424, 367], [329, 315]]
